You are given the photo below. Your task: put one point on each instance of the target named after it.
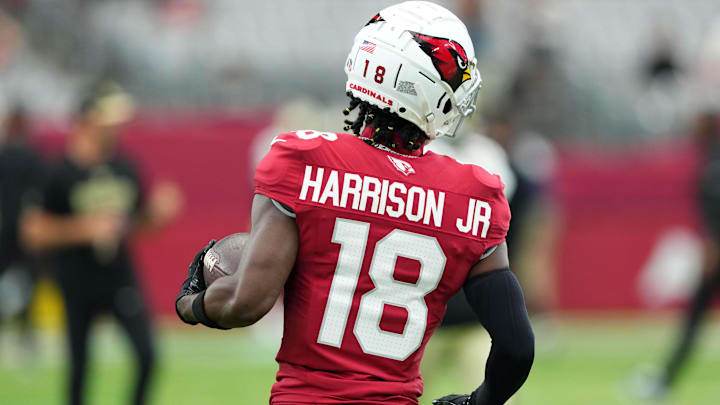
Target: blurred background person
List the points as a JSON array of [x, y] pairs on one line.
[[525, 163], [90, 204], [706, 133], [538, 106], [533, 227], [21, 176], [663, 101], [461, 343]]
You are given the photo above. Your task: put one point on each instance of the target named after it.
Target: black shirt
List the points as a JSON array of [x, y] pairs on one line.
[[21, 175], [75, 190]]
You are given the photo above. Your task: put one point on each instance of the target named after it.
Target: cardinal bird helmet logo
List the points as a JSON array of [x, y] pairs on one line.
[[448, 57], [375, 19]]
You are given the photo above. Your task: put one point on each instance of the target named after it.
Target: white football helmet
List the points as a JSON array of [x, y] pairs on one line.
[[417, 59]]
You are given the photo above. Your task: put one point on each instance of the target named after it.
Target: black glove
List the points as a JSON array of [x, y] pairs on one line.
[[195, 281], [453, 400]]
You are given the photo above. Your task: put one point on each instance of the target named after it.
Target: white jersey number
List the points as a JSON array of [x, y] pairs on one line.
[[352, 236], [310, 134]]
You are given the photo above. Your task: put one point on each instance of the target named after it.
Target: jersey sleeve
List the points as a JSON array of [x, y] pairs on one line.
[[278, 175], [500, 220], [492, 191]]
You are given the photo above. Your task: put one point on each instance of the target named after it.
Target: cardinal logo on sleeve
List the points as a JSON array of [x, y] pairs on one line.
[[448, 57]]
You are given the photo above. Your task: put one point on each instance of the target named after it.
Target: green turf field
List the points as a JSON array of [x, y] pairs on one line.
[[586, 363]]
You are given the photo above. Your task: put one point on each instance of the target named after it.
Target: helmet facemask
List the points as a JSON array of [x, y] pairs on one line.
[[461, 109]]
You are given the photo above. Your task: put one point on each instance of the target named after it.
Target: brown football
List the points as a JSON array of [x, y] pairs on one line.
[[224, 257]]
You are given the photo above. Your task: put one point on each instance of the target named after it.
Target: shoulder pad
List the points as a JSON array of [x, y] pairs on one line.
[[484, 177], [487, 179]]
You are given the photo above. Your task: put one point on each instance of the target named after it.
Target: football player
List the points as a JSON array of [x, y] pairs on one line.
[[706, 134], [89, 206], [369, 236]]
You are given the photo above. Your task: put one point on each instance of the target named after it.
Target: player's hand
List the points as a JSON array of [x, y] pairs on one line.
[[165, 203], [103, 228], [452, 400], [195, 281]]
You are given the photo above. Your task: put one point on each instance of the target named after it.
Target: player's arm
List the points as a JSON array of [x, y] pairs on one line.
[[246, 296], [495, 296], [42, 230]]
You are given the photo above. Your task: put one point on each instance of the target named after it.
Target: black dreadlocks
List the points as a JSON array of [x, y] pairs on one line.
[[386, 124]]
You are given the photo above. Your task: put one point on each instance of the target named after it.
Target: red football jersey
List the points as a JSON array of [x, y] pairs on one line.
[[385, 241]]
